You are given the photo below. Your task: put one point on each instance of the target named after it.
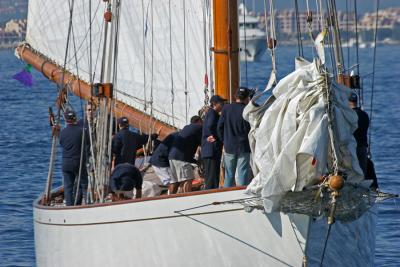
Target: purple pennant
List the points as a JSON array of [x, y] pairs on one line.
[[25, 76]]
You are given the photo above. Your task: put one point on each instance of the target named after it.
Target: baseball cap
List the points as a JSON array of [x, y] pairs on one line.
[[70, 115], [353, 97], [217, 99], [243, 92], [123, 121]]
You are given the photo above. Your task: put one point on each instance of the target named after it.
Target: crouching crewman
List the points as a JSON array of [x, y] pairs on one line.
[[124, 179]]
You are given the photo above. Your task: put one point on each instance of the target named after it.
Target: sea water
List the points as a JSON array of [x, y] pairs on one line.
[[25, 142]]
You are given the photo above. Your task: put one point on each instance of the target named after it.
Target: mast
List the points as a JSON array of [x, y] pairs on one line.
[[226, 48]]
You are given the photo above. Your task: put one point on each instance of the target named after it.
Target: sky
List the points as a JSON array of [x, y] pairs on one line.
[[362, 5]]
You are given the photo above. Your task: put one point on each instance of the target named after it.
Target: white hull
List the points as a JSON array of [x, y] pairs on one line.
[[152, 233], [253, 48]]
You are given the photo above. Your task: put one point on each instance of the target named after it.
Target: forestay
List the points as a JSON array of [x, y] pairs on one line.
[[290, 138], [163, 53]]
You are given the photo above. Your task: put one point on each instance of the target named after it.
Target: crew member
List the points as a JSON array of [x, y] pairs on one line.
[[84, 122], [124, 178], [73, 165], [211, 145], [125, 143], [233, 130], [181, 155], [159, 159], [361, 134]]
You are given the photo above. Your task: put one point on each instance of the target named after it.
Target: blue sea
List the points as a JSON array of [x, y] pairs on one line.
[[25, 138]]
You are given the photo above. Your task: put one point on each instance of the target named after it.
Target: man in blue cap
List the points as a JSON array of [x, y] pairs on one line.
[[74, 159], [361, 134], [211, 145], [233, 130], [125, 143]]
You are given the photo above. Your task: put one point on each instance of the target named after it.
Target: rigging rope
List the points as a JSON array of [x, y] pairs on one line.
[[206, 88], [328, 232], [210, 45], [152, 59], [171, 65], [299, 40], [347, 34], [144, 55], [57, 122], [245, 39], [184, 52], [356, 32], [373, 79]]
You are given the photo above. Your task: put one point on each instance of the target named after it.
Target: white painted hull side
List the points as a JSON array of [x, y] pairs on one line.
[[150, 233], [253, 49]]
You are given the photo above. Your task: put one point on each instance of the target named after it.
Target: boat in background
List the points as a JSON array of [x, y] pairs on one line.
[[253, 39]]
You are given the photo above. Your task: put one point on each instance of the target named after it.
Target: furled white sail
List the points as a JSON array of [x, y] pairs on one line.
[[163, 51], [291, 142]]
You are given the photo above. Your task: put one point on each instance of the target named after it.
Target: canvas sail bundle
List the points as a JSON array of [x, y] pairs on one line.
[[158, 73], [291, 145]]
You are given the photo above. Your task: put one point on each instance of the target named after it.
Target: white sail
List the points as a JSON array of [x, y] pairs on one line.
[[291, 144], [156, 39], [47, 33], [163, 52]]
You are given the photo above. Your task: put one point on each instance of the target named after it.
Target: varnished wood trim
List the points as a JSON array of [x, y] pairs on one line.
[[196, 193]]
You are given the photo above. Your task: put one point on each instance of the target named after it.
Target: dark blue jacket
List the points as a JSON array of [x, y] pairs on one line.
[[186, 142], [233, 130], [71, 143], [160, 154], [124, 145], [125, 177], [361, 134], [214, 149]]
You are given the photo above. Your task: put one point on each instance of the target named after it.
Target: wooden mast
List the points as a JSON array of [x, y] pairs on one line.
[[226, 48], [83, 90]]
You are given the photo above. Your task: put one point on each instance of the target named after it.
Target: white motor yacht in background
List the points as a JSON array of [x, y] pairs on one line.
[[252, 38]]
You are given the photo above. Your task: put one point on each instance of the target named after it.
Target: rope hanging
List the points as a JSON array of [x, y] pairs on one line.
[[205, 48], [170, 64], [299, 35], [185, 61], [144, 16], [373, 79], [245, 40]]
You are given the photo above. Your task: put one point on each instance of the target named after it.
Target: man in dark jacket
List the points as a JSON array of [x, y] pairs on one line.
[[181, 155], [125, 143], [361, 134], [73, 165], [233, 130], [124, 178], [159, 160], [211, 145]]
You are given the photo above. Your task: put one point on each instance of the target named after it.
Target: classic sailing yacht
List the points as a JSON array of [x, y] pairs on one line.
[[253, 40], [158, 62]]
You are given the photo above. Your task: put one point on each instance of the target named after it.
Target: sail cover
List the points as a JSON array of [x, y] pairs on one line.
[[163, 51], [290, 138]]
